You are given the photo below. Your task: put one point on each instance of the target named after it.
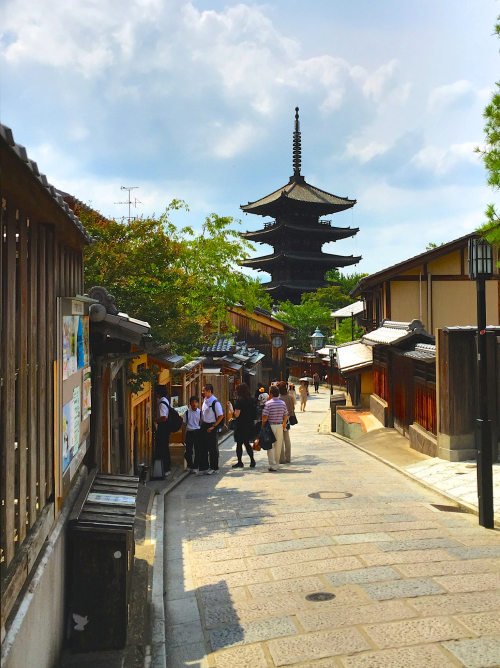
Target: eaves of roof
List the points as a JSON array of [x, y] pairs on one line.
[[7, 136], [400, 267]]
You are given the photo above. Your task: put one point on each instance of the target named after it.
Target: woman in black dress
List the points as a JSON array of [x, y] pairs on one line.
[[244, 413]]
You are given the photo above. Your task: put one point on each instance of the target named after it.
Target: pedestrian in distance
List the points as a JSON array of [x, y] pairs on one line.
[[303, 394], [211, 416], [286, 450], [276, 412], [261, 400], [292, 393], [162, 435], [316, 382], [191, 428], [244, 413]]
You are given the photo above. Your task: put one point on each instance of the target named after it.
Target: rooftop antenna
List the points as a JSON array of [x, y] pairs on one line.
[[129, 201], [297, 148]]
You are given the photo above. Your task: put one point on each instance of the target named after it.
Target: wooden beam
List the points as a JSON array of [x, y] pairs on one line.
[[33, 406], [22, 377], [8, 343], [43, 399]]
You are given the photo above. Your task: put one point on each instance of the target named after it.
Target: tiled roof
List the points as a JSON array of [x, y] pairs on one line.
[[347, 311], [298, 190], [422, 351], [354, 355], [21, 153], [392, 331], [222, 344], [319, 229], [305, 256]]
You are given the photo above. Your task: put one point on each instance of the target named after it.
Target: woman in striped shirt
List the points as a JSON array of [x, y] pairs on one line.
[[276, 412]]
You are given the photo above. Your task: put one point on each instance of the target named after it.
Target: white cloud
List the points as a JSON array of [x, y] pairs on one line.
[[377, 83], [441, 160], [442, 97], [229, 140], [365, 151]]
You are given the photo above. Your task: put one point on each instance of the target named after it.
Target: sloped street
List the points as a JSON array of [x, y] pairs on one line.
[[335, 560]]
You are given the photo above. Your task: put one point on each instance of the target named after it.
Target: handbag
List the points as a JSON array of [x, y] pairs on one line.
[[293, 419], [266, 437], [232, 424]]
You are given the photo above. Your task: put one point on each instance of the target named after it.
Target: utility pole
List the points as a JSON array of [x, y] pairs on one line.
[[129, 201]]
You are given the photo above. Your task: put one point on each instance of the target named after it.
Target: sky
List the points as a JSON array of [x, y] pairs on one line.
[[195, 101]]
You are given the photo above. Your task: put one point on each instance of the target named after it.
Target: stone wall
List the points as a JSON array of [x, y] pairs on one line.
[[422, 440], [379, 408]]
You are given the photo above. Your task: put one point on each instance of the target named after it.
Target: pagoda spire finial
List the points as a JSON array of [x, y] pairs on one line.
[[297, 147]]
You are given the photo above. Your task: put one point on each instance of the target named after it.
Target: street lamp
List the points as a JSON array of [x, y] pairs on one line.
[[317, 339], [480, 269], [331, 352]]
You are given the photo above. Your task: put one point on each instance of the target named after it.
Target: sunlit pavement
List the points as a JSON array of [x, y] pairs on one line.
[[400, 581]]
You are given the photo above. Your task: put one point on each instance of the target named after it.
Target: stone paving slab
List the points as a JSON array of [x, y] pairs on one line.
[[415, 632], [476, 653], [451, 604], [316, 646], [251, 632], [374, 574], [428, 656], [408, 556], [470, 582], [381, 591], [246, 656], [482, 623], [321, 618]]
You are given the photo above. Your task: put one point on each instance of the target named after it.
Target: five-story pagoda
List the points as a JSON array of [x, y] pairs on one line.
[[297, 234]]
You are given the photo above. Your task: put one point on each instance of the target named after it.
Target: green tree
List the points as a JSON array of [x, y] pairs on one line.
[[344, 332], [330, 297], [178, 281], [304, 317], [491, 157], [346, 282]]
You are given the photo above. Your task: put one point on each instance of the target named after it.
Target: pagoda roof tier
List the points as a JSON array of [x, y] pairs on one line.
[[298, 195], [321, 229], [326, 259], [282, 290]]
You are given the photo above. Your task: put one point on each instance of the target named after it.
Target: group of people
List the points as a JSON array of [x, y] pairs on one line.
[[201, 424]]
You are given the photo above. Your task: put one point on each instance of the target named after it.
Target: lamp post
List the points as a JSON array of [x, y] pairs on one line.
[[331, 352], [480, 269], [317, 340]]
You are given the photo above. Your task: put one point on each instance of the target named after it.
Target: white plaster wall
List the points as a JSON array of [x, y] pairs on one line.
[[36, 635]]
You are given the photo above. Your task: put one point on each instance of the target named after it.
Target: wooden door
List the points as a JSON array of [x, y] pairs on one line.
[[402, 378]]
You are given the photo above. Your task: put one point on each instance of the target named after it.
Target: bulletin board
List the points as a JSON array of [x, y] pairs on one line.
[[73, 390]]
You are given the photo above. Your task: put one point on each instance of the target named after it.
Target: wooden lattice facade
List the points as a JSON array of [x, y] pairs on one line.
[[40, 260]]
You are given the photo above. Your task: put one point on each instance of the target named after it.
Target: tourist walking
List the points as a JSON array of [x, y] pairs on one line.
[[316, 382], [162, 435], [303, 394], [276, 412], [292, 393], [261, 400], [286, 450], [211, 416], [244, 413], [191, 426]]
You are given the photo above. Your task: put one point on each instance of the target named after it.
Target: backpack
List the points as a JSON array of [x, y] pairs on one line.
[[221, 425], [174, 420]]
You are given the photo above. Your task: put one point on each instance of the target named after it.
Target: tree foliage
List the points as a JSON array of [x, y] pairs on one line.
[[179, 281], [491, 156], [345, 332], [346, 282], [331, 297], [305, 317]]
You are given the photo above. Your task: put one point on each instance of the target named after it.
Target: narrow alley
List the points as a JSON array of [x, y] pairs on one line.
[[334, 560]]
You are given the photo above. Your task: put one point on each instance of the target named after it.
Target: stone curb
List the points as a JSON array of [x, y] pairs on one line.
[[467, 507], [158, 642]]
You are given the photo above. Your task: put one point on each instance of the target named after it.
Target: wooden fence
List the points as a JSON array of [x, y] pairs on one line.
[[36, 267]]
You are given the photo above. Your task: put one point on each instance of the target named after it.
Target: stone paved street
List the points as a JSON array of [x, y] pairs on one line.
[[412, 585]]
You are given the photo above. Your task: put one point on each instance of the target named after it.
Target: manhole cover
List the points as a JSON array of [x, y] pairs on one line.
[[330, 495], [320, 596], [447, 509]]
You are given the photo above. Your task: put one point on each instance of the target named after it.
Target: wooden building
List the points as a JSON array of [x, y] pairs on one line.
[[268, 335], [41, 276], [297, 235], [433, 287]]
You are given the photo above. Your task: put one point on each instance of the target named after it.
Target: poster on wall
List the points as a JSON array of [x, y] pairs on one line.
[[86, 394], [68, 433], [77, 398], [69, 347]]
